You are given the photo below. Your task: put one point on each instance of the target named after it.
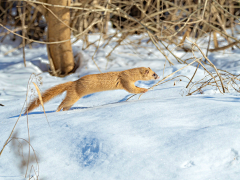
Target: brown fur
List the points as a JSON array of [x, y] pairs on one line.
[[95, 83]]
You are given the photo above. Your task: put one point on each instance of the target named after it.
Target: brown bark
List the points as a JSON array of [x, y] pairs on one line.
[[58, 20]]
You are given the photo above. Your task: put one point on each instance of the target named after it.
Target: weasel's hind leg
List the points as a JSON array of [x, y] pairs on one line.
[[68, 102]]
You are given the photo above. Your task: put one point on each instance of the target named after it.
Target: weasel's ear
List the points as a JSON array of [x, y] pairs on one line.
[[147, 71], [149, 68]]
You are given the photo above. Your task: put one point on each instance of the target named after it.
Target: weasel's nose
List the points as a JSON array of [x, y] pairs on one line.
[[156, 76]]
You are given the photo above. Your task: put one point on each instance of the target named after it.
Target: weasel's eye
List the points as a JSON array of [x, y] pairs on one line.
[[154, 74]]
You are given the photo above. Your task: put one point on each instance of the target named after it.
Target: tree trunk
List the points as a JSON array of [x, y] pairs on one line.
[[58, 20]]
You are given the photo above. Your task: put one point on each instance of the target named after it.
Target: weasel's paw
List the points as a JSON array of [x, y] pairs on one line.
[[143, 90]]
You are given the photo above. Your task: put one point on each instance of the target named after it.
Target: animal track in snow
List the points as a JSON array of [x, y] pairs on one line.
[[90, 151], [234, 157], [187, 164]]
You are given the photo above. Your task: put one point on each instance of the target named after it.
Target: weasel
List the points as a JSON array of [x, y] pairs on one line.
[[95, 83]]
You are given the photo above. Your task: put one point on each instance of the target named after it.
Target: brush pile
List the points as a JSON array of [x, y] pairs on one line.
[[164, 22]]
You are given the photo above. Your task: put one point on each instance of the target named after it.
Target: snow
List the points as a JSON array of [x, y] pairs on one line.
[[163, 135]]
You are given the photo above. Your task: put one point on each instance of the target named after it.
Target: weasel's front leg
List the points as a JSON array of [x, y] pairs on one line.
[[131, 88], [70, 99]]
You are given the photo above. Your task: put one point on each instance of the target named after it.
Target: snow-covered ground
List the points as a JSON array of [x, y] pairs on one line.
[[163, 135]]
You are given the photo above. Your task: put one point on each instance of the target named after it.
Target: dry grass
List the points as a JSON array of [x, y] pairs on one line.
[[26, 156], [28, 160], [166, 22]]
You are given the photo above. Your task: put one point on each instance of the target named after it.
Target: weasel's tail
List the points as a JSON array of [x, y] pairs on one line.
[[48, 95]]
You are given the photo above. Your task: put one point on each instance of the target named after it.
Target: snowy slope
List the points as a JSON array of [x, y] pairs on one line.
[[162, 135]]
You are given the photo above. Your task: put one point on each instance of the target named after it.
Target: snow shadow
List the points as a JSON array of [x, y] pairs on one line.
[[4, 65], [42, 112], [33, 113], [228, 99], [87, 96], [75, 108], [125, 98]]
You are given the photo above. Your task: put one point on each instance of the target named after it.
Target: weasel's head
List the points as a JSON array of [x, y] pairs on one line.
[[148, 74]]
